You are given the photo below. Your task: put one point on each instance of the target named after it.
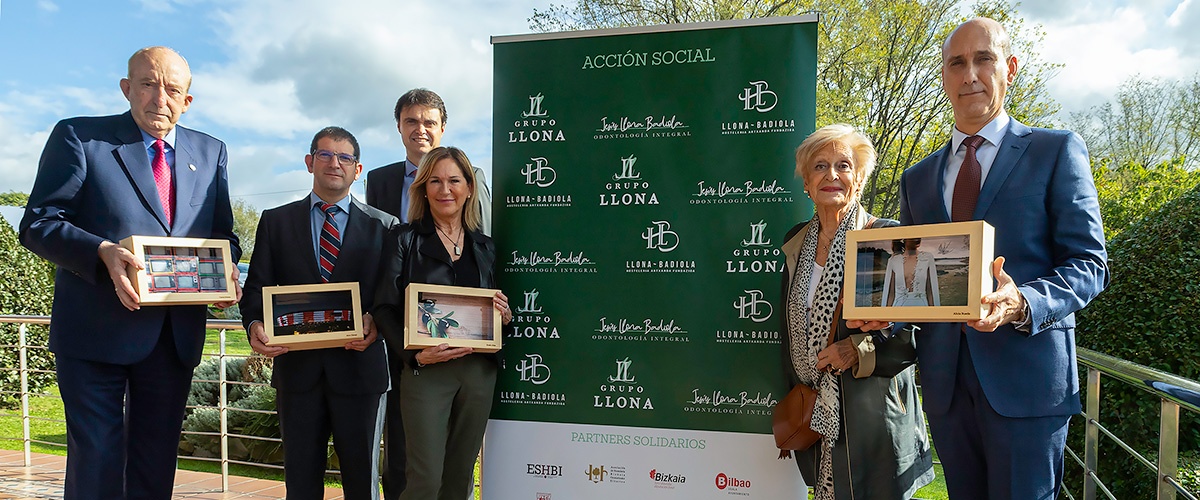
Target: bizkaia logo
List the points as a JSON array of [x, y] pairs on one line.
[[544, 471], [622, 390], [627, 187], [535, 124], [732, 485], [758, 97], [533, 369], [755, 254], [602, 473], [539, 174], [666, 479], [530, 321]]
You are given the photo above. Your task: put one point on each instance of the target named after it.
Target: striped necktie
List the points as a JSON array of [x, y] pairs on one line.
[[330, 244]]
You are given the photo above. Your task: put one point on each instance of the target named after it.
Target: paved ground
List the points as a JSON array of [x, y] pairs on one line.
[[44, 479]]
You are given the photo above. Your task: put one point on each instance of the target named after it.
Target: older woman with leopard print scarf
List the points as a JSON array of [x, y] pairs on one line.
[[873, 443]]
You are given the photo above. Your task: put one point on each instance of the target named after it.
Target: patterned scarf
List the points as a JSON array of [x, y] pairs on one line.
[[810, 334]]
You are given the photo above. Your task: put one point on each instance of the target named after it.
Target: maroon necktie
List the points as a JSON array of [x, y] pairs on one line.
[[162, 179], [966, 187], [330, 244]]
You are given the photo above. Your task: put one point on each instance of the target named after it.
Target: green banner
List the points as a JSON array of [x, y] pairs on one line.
[[643, 185]]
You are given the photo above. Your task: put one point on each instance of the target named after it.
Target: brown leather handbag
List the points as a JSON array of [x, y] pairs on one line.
[[791, 422]]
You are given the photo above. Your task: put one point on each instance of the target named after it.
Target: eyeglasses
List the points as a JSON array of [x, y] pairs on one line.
[[343, 159]]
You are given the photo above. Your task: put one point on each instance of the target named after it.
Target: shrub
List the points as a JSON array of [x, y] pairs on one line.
[[206, 417], [29, 290], [1145, 316]]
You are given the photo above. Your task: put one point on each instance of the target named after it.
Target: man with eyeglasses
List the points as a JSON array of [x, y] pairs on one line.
[[421, 119], [326, 237]]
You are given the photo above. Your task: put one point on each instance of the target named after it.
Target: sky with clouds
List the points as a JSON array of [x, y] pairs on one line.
[[270, 73]]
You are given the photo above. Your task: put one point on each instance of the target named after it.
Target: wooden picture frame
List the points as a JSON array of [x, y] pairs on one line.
[[930, 272], [318, 316], [469, 318], [182, 271]]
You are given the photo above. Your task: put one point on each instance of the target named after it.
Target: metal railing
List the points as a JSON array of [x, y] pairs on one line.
[[1173, 391], [223, 385]]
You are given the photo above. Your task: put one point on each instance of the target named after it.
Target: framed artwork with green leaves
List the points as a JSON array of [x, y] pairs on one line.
[[453, 315]]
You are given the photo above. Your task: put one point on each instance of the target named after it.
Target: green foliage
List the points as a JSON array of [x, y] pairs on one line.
[[1151, 121], [245, 223], [30, 291], [1128, 192], [1145, 317], [206, 417], [14, 199], [878, 66]]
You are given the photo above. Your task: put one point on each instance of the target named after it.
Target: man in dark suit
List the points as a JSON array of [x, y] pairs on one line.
[[125, 371], [1000, 391], [325, 237], [421, 119]]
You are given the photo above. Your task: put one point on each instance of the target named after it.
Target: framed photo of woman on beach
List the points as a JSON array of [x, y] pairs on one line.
[[931, 272], [453, 315]]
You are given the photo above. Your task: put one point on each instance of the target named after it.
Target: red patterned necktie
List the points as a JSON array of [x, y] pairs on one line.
[[966, 187], [162, 180], [330, 244]]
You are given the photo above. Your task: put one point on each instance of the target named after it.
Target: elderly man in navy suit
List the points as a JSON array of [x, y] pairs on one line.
[[1000, 391], [325, 237], [124, 370]]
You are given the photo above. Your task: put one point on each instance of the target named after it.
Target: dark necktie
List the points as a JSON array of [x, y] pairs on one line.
[[162, 180], [966, 187], [330, 244]]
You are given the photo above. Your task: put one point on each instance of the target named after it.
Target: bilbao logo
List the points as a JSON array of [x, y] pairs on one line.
[[724, 481]]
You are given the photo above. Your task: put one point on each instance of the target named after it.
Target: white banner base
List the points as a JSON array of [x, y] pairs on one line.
[[548, 461]]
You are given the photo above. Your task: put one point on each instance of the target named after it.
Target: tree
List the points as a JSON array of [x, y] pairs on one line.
[[1151, 122], [245, 223], [14, 199], [1129, 192], [878, 66]]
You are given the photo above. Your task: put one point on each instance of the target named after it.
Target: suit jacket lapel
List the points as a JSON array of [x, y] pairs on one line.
[[1016, 141], [936, 177], [357, 224], [134, 159], [299, 230], [185, 178]]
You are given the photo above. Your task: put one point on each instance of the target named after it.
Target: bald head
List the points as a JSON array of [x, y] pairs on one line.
[[157, 89], [977, 69]]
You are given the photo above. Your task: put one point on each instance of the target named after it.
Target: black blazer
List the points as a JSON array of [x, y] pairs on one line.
[[283, 255], [416, 255]]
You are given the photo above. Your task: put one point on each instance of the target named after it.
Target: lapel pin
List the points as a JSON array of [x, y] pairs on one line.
[[191, 167]]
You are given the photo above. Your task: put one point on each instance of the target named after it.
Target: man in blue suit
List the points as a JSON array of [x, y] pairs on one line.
[[124, 371], [1000, 391], [338, 391]]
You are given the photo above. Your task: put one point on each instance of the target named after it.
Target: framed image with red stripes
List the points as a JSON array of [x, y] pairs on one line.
[[312, 316], [182, 270]]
